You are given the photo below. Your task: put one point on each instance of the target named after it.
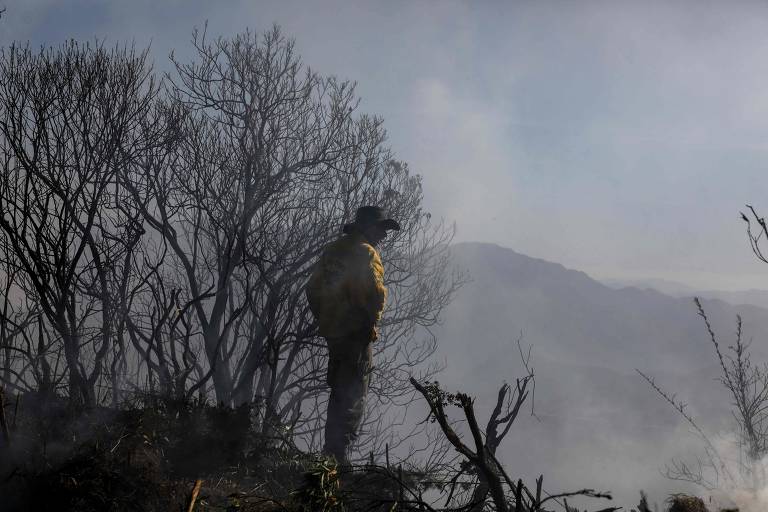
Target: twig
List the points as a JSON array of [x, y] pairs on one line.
[[195, 492], [118, 443], [453, 483], [16, 410], [3, 422], [680, 408]]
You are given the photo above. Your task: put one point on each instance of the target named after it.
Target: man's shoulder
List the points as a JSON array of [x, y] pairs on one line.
[[367, 251], [353, 245]]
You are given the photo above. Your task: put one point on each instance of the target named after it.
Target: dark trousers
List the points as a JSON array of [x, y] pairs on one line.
[[349, 368]]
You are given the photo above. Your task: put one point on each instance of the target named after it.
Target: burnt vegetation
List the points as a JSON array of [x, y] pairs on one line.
[[156, 348]]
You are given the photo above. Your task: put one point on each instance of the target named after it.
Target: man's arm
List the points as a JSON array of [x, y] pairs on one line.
[[372, 294]]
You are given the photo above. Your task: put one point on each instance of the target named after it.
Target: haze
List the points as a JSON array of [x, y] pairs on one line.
[[617, 138]]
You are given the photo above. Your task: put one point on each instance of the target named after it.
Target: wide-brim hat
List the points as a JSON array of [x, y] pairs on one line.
[[369, 216]]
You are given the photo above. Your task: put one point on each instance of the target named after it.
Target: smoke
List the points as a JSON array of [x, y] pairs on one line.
[[746, 500], [749, 491]]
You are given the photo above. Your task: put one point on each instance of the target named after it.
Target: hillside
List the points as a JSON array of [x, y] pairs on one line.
[[595, 413], [569, 316]]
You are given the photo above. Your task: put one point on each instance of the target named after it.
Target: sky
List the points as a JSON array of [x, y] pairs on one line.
[[617, 138]]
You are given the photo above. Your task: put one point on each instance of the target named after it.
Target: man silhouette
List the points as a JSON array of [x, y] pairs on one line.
[[346, 294]]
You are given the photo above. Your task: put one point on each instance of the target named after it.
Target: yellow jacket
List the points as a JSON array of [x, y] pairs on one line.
[[346, 291]]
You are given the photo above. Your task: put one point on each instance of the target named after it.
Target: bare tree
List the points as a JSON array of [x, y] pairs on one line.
[[268, 161], [68, 119], [161, 237], [23, 363], [747, 385], [480, 453], [252, 123]]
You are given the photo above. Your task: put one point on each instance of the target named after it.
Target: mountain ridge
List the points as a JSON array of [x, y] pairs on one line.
[[747, 297], [510, 292]]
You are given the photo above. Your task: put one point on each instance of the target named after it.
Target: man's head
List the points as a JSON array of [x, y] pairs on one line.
[[372, 223]]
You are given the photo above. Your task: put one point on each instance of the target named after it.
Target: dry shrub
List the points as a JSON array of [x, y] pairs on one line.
[[685, 503]]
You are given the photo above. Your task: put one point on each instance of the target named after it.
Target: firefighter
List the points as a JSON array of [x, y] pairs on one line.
[[346, 294]]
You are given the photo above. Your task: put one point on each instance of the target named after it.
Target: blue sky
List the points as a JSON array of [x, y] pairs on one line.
[[619, 138]]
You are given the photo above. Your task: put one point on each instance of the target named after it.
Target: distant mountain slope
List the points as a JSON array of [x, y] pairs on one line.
[[665, 286], [597, 418], [569, 316], [757, 298], [751, 297]]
